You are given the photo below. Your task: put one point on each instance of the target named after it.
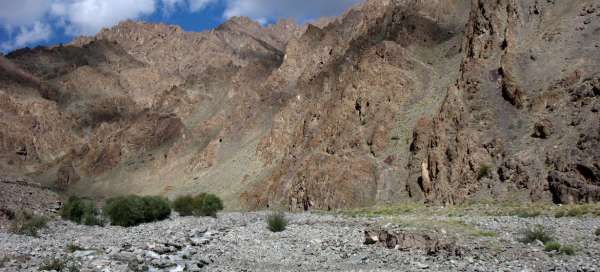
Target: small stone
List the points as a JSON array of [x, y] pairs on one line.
[[152, 255], [178, 268], [84, 253], [421, 265]]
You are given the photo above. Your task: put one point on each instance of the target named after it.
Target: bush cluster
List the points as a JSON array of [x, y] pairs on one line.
[[567, 250], [200, 205], [545, 236], [81, 211], [127, 211], [562, 249], [276, 222], [537, 233], [27, 223]]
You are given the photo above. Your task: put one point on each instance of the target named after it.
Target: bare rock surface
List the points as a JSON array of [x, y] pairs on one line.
[[395, 100]]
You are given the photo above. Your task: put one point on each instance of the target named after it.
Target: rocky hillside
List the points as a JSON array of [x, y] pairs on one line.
[[396, 100]]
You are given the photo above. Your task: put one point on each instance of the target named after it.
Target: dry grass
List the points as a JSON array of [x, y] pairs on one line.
[[27, 223], [523, 210]]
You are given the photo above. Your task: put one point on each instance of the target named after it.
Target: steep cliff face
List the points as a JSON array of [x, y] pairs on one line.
[[523, 118], [343, 139], [434, 101]]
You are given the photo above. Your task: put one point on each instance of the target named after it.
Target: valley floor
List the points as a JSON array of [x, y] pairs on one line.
[[312, 242]]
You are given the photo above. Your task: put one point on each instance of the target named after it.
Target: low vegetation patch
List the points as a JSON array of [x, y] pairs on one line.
[[81, 211], [74, 247], [540, 233], [576, 211], [27, 223], [537, 233], [53, 264], [557, 247], [59, 265], [552, 246], [203, 204], [127, 211], [598, 232], [483, 233], [386, 210], [484, 171], [526, 212], [276, 222], [567, 250]]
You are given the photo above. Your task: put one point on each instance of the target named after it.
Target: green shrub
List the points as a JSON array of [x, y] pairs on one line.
[[81, 211], [184, 205], [26, 223], [484, 171], [538, 232], [552, 246], [276, 222], [201, 205], [207, 205], [156, 208], [598, 232], [567, 250], [127, 211]]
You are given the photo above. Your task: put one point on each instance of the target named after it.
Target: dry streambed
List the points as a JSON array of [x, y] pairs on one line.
[[411, 241]]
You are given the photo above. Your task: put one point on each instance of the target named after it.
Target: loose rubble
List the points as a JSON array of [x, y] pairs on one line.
[[312, 242]]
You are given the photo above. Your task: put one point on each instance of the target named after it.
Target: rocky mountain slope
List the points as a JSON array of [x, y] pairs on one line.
[[396, 100]]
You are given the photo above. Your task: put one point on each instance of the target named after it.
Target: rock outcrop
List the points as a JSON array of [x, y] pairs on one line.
[[518, 108], [430, 101]]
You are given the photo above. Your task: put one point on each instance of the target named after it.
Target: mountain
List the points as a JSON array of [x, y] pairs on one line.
[[430, 101]]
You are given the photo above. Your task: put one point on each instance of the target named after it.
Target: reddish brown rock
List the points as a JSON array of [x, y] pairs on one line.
[[429, 101]]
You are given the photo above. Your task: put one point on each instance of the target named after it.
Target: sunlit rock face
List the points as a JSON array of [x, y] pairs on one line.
[[428, 101]]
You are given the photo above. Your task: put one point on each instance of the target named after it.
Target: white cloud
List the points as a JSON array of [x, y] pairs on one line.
[[196, 5], [193, 5], [29, 21], [86, 17], [301, 10], [16, 13], [171, 5], [26, 35]]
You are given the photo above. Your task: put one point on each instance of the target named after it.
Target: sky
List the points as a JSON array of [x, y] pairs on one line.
[[29, 23]]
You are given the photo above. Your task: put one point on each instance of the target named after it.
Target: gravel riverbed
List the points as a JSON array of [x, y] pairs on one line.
[[312, 242]]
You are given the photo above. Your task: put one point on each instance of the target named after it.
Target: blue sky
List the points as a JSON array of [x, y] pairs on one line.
[[29, 23]]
